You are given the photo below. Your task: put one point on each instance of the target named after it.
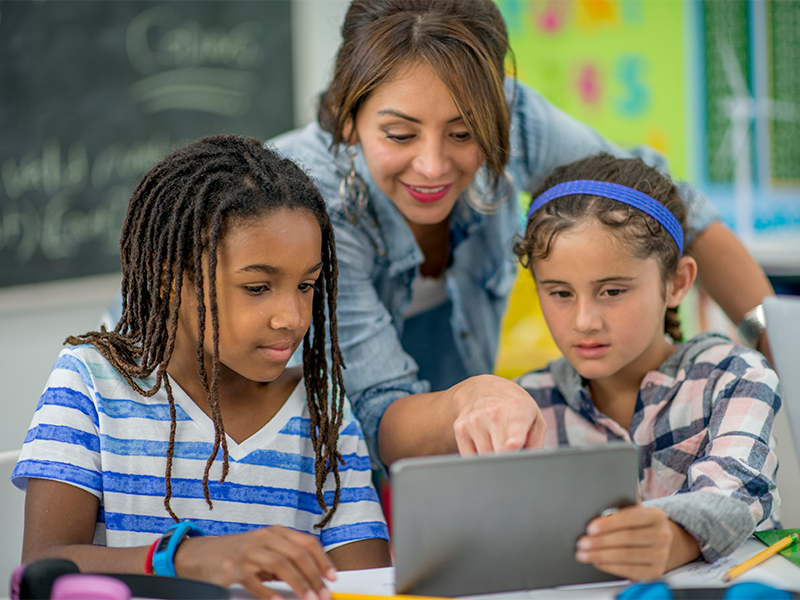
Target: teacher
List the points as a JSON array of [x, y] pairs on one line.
[[420, 149]]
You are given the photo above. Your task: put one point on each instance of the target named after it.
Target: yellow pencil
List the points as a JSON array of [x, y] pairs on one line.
[[761, 557], [345, 596]]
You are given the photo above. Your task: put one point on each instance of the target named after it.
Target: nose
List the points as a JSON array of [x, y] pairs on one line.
[[432, 160], [586, 318], [287, 313]]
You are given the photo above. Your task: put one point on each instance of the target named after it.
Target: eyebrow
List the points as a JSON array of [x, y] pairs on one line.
[[402, 115], [270, 270], [604, 280]]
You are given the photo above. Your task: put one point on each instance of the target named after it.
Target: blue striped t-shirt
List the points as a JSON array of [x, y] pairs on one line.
[[92, 430]]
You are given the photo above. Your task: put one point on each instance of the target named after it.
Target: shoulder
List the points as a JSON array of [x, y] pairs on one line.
[[721, 362], [310, 148], [541, 384]]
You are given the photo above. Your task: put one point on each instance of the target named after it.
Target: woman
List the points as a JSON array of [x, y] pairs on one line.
[[420, 149]]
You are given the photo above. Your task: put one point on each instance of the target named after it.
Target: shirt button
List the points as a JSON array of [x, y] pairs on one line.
[[650, 385], [464, 335]]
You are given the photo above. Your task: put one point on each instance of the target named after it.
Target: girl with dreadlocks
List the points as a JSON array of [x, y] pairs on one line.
[[228, 264]]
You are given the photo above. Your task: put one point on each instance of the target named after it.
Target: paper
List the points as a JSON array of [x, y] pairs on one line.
[[774, 535]]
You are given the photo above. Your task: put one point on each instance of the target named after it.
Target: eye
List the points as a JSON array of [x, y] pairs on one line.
[[462, 136], [255, 290], [614, 292], [561, 294], [399, 138], [307, 287]]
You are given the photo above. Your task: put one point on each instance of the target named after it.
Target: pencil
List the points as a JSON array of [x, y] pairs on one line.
[[345, 596], [761, 557]]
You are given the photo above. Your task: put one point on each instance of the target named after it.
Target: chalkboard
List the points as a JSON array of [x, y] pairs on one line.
[[93, 93]]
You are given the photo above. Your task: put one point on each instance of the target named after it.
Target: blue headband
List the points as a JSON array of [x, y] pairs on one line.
[[618, 192]]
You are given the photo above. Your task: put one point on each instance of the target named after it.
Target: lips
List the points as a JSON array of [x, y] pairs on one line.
[[427, 194], [278, 352], [590, 350]]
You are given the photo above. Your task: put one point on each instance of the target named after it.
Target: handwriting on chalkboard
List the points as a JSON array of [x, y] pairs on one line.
[[59, 227]]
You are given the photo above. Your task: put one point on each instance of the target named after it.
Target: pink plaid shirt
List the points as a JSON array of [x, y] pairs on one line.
[[703, 424]]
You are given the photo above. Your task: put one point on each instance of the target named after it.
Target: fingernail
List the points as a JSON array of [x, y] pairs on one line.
[[311, 596], [330, 574], [584, 544], [582, 557], [325, 594]]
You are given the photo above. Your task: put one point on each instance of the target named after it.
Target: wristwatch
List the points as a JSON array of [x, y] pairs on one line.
[[164, 554], [752, 325]]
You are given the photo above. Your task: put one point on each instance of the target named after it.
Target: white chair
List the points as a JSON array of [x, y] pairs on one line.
[[12, 513]]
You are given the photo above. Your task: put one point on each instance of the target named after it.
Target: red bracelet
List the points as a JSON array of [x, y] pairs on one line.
[[148, 562]]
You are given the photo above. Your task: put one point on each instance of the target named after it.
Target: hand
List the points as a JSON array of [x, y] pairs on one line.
[[494, 414], [269, 553], [636, 543]]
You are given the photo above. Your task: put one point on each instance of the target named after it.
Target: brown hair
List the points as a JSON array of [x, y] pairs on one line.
[[177, 217], [641, 233], [463, 41]]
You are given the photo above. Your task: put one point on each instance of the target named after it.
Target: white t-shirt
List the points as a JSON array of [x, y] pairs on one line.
[[92, 430]]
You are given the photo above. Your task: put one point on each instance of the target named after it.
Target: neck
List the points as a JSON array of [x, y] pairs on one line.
[[616, 395], [434, 241]]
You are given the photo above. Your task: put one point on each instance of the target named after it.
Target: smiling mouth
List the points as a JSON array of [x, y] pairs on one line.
[[427, 194]]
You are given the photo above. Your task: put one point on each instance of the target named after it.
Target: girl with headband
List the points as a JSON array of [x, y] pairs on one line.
[[420, 149], [605, 244]]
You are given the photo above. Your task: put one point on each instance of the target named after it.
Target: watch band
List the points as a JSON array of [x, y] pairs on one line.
[[164, 553], [752, 326]]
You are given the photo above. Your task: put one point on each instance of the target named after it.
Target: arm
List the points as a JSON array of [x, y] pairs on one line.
[[730, 274]]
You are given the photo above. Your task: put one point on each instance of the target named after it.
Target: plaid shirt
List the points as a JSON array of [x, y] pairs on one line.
[[703, 424]]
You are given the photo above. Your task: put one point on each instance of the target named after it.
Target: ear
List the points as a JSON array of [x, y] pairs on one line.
[[349, 132], [680, 285]]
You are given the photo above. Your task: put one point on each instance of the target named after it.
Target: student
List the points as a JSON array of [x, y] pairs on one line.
[[183, 420], [420, 150], [610, 271]]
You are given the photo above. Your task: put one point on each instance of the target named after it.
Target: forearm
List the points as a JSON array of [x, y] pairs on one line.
[[683, 547], [417, 425], [93, 559], [730, 274]]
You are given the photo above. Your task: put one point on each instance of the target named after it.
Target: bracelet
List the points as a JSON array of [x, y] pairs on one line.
[[148, 562], [167, 545], [752, 326]]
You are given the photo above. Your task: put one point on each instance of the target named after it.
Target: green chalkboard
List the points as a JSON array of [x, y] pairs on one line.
[[92, 93]]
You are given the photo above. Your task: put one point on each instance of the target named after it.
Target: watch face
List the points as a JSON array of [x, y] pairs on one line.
[[162, 545]]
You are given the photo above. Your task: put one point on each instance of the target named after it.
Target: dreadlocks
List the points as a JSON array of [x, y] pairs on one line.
[[177, 215]]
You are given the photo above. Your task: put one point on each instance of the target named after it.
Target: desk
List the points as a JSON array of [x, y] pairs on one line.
[[777, 572]]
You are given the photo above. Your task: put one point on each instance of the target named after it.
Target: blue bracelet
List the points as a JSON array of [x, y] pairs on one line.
[[164, 554]]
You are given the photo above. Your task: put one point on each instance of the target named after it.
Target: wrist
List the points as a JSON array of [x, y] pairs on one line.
[[751, 328], [166, 547]]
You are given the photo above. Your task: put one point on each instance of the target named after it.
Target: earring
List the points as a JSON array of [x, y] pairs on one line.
[[475, 193], [353, 190]]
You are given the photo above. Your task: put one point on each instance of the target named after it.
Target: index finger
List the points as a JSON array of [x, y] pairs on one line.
[[314, 548]]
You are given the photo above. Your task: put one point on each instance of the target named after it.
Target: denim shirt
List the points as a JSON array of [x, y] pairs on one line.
[[379, 257]]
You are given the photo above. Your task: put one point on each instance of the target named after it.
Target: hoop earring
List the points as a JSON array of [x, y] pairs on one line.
[[353, 191], [475, 193]]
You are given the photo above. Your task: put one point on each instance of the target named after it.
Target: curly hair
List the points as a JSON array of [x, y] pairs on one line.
[[641, 233], [176, 219]]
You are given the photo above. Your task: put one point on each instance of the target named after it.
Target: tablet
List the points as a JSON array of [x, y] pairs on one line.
[[503, 522]]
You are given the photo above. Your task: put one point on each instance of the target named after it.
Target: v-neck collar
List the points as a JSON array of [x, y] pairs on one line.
[[294, 406]]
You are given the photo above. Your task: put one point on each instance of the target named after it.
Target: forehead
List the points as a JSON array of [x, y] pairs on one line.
[[278, 235], [416, 90]]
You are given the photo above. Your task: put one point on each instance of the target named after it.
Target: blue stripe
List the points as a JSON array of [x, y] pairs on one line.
[[149, 485], [69, 398], [64, 434], [351, 533], [70, 362], [135, 447], [302, 427], [130, 409], [46, 469]]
